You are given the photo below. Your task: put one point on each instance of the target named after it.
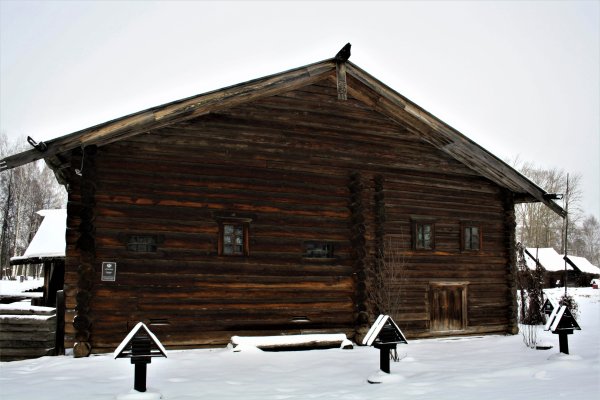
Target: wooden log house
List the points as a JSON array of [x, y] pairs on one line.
[[48, 249], [262, 208]]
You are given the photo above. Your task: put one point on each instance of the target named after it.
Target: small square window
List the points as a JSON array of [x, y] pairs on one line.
[[313, 249], [233, 236], [141, 244], [233, 239], [471, 238], [423, 235]]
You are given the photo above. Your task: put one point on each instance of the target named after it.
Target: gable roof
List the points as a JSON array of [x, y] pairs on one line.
[[49, 241], [360, 85], [582, 264], [549, 259], [384, 330], [125, 350]]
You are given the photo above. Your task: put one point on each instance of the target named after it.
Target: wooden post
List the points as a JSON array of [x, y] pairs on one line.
[[379, 200], [359, 250], [510, 225], [342, 87], [141, 347], [563, 340], [86, 244], [60, 323], [384, 360], [384, 356], [139, 379]]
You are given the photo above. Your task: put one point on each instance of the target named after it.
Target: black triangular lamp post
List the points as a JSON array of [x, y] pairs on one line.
[[385, 336], [548, 307], [562, 323], [140, 346]]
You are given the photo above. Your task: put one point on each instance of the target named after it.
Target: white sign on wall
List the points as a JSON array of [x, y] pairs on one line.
[[109, 271]]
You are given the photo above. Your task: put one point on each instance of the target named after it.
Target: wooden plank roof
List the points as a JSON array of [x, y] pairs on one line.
[[360, 85]]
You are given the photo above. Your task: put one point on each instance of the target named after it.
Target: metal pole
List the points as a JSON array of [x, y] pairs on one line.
[[566, 236]]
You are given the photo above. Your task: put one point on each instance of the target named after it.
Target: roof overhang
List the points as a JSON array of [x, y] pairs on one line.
[[360, 85], [180, 110]]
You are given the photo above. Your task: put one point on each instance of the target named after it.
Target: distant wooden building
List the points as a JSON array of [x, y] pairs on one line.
[[264, 207], [553, 265], [48, 249], [579, 271], [585, 270]]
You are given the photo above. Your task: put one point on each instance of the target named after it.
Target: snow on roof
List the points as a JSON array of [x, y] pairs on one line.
[[554, 319], [25, 308], [20, 289], [551, 261], [584, 265], [131, 334], [49, 240]]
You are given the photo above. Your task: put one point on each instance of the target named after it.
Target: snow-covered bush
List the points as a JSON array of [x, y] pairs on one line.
[[569, 301], [530, 285]]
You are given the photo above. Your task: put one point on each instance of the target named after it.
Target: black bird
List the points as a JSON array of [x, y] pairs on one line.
[[344, 54]]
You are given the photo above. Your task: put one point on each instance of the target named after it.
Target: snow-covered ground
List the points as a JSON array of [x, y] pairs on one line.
[[491, 367], [18, 288]]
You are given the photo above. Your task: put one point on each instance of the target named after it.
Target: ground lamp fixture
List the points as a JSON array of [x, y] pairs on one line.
[[562, 323], [140, 346], [384, 335], [548, 307]]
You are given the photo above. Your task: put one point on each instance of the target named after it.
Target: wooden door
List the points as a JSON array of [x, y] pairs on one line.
[[447, 304]]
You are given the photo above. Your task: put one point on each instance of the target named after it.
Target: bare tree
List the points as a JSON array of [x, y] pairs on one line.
[[386, 280], [530, 284], [538, 226], [23, 191], [7, 221], [586, 240]]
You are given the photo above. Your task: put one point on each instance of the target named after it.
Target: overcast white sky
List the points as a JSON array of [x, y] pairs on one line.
[[519, 78]]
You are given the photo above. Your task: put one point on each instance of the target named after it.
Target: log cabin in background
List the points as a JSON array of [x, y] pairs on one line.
[[559, 268], [264, 208]]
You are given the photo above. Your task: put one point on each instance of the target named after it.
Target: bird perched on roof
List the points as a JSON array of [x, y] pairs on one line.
[[344, 54]]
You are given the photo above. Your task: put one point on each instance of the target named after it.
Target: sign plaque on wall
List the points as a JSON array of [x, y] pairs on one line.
[[109, 271]]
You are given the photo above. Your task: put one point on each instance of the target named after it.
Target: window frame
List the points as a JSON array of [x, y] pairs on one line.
[[463, 239], [330, 251], [416, 224], [138, 246], [242, 222]]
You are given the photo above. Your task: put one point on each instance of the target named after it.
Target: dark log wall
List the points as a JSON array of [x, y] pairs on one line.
[[286, 162], [448, 201]]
